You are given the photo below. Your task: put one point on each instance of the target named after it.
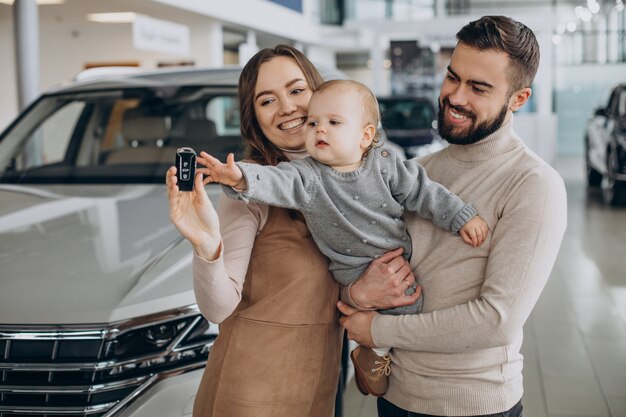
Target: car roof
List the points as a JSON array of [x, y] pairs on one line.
[[227, 77], [177, 77], [402, 98]]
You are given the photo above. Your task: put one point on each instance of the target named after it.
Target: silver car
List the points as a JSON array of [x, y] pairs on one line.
[[97, 310], [605, 148]]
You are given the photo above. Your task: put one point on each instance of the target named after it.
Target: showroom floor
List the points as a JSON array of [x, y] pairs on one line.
[[575, 339]]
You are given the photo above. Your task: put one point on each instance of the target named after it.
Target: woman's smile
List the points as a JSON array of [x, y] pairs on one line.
[[292, 124]]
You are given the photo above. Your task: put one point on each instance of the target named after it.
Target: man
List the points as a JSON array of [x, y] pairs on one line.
[[461, 356]]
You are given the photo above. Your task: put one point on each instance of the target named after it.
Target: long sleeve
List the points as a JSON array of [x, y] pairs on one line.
[[218, 284], [287, 184], [412, 188], [523, 249]]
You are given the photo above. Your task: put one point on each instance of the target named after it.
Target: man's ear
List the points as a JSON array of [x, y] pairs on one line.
[[519, 98], [369, 132]]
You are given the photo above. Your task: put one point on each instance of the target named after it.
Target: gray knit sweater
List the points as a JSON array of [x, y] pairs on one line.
[[355, 216]]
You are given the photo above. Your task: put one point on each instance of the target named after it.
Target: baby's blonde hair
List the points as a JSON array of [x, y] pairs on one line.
[[371, 112]]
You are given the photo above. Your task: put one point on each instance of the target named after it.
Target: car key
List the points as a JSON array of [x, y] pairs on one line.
[[185, 168]]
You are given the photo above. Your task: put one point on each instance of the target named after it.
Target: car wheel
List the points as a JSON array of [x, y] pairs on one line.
[[613, 192], [594, 177]]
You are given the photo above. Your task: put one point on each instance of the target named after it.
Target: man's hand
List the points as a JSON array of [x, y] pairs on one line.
[[384, 282], [475, 231], [216, 171], [357, 324]]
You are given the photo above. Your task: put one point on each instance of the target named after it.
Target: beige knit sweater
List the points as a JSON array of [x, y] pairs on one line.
[[461, 356]]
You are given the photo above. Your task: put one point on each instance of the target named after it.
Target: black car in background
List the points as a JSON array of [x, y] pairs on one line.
[[411, 122], [605, 148]]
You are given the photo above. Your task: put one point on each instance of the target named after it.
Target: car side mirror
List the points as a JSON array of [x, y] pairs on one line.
[[601, 111]]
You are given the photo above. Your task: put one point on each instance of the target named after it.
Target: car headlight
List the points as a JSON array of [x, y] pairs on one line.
[[159, 347], [144, 341]]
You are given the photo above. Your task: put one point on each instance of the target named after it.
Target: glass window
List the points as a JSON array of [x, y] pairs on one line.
[[399, 113], [224, 111], [406, 10], [48, 143], [118, 136]]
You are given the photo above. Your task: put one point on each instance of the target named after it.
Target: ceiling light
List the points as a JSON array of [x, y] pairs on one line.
[[619, 7], [571, 27], [560, 29], [121, 17], [556, 39]]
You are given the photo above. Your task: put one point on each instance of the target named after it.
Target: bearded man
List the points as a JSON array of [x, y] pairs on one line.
[[461, 357]]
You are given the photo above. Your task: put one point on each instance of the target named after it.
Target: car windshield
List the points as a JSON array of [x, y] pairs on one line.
[[117, 136], [406, 113]]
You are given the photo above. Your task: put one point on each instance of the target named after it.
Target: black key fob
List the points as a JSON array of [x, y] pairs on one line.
[[185, 168]]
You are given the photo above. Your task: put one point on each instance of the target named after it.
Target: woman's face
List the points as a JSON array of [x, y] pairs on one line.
[[281, 102]]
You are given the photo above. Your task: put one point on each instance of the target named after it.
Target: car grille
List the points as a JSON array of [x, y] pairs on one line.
[[70, 371]]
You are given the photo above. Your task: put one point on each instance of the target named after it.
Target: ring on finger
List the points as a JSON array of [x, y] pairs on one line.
[[408, 284]]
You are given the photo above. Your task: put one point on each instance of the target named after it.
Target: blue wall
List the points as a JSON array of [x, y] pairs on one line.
[[292, 4]]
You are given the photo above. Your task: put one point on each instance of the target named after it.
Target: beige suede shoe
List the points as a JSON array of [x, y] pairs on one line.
[[371, 371]]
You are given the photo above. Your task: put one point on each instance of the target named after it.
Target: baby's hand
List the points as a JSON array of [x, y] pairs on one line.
[[216, 171], [475, 231]]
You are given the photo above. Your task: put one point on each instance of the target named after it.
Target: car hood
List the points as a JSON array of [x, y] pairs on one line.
[[89, 254]]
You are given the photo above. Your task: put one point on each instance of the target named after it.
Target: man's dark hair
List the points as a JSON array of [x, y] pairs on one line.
[[504, 34]]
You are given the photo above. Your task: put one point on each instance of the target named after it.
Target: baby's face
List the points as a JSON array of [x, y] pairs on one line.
[[336, 129]]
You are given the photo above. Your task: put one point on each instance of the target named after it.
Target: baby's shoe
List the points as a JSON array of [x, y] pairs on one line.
[[371, 371]]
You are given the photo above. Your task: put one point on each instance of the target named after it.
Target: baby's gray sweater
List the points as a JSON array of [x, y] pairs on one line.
[[354, 217]]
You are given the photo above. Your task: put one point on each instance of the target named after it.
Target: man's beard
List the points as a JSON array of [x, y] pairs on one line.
[[474, 133]]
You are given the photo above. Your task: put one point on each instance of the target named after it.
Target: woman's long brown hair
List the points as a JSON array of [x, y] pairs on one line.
[[258, 147]]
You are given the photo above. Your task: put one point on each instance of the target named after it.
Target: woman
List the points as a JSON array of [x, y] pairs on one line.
[[257, 270]]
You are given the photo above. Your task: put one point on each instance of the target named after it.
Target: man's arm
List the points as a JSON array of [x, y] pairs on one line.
[[524, 247]]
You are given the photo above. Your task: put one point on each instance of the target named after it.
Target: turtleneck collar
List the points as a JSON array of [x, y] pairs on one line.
[[293, 154], [498, 143]]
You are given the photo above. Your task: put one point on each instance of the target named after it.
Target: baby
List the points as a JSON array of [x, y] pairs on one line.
[[352, 195]]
